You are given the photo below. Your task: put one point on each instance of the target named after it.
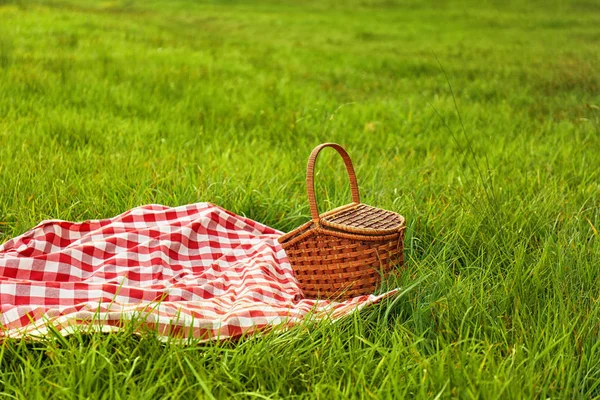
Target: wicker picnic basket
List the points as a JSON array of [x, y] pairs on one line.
[[344, 252]]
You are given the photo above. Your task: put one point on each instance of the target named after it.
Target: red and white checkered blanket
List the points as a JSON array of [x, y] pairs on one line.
[[196, 270]]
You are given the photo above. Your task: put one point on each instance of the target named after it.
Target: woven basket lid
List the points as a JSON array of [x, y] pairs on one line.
[[362, 218], [354, 218]]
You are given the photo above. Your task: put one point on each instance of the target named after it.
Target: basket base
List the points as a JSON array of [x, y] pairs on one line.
[[343, 268]]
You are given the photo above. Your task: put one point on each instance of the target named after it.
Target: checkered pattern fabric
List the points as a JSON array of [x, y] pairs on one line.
[[192, 271]]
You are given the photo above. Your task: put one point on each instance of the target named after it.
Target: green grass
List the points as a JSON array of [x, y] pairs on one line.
[[109, 105]]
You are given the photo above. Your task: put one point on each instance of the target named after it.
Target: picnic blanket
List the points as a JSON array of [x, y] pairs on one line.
[[192, 271]]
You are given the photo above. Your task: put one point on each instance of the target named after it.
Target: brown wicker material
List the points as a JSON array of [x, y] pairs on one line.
[[347, 251]]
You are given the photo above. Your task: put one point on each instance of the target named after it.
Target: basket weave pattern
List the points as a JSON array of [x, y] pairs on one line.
[[347, 251]]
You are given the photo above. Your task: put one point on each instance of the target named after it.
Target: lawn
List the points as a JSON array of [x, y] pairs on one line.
[[479, 123]]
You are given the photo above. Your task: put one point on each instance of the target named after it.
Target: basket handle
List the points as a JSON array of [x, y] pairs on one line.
[[310, 176]]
